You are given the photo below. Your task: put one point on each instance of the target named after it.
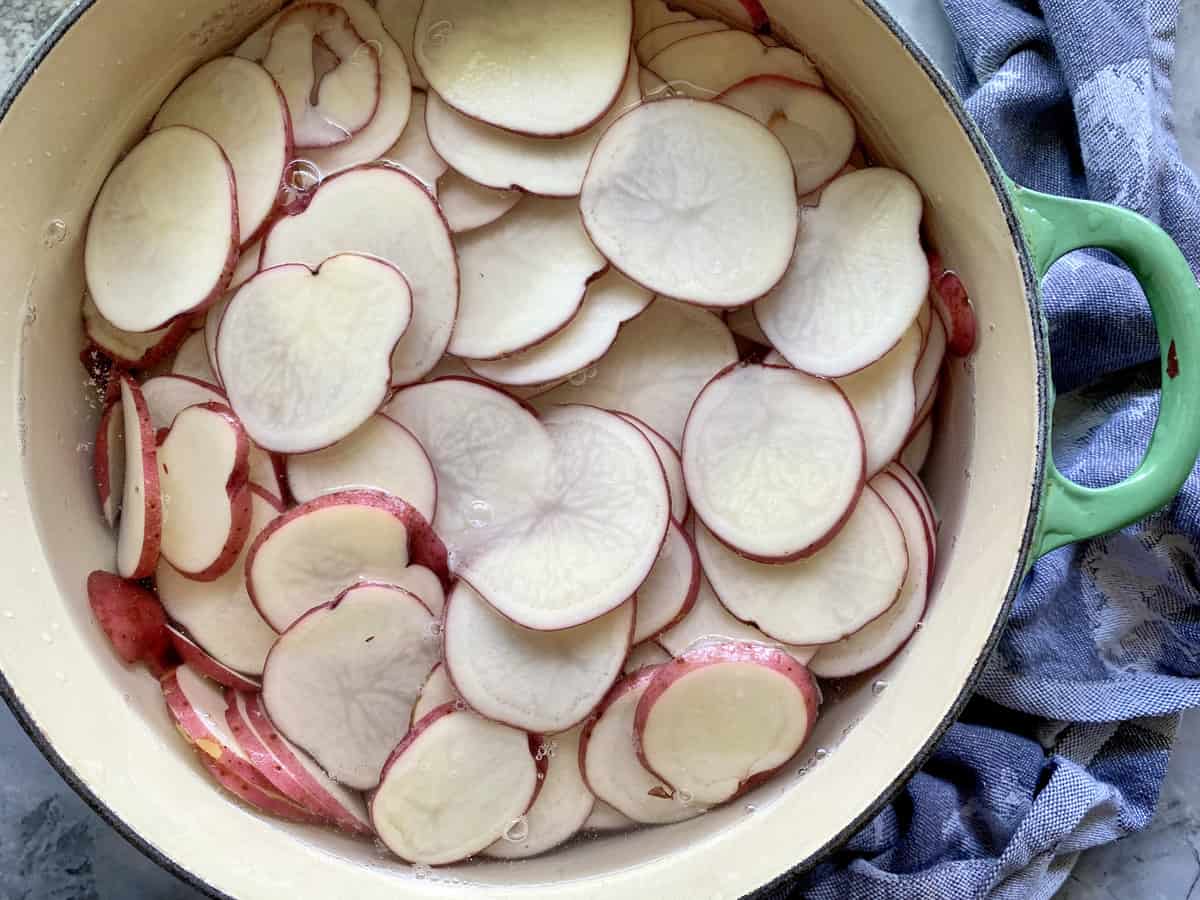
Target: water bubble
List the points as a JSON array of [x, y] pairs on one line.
[[83, 447], [591, 373], [54, 233], [821, 753], [517, 831], [546, 750], [421, 872], [460, 705], [920, 625], [31, 314], [751, 808], [433, 630], [879, 687], [479, 514], [438, 34], [684, 797], [300, 179], [579, 379]]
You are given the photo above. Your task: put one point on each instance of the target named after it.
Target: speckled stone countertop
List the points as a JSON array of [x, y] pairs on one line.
[[53, 847]]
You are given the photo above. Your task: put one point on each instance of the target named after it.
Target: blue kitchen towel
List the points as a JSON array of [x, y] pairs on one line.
[[1066, 745]]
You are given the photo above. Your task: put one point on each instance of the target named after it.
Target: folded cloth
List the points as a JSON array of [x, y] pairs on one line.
[[1067, 743]]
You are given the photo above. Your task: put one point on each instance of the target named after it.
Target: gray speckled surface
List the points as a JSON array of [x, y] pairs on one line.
[[52, 847]]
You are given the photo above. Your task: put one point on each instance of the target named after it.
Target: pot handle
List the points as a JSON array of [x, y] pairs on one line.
[[1054, 226]]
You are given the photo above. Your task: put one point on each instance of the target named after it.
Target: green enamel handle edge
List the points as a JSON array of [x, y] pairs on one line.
[[1054, 226]]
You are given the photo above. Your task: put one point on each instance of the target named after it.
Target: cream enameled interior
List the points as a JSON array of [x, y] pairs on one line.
[[86, 104]]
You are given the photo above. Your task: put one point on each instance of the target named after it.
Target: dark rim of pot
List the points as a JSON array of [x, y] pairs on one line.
[[75, 12]]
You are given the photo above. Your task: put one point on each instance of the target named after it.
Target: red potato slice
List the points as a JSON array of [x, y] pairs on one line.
[[857, 280], [879, 640], [773, 460], [195, 658], [412, 151], [239, 105], [191, 361], [427, 586], [953, 306], [925, 322], [139, 537], [128, 349], [884, 399], [342, 680], [664, 36], [604, 819], [437, 691], [452, 787], [916, 451], [108, 464], [399, 18], [212, 324], [198, 707], [524, 278], [169, 395], [669, 591], [453, 367], [916, 489], [159, 246], [542, 681], [672, 464], [651, 14], [467, 205], [344, 808], [130, 616], [722, 717], [555, 68], [609, 302], [610, 764], [395, 90], [219, 615], [350, 313], [708, 620], [312, 553], [742, 323], [500, 159], [647, 653], [513, 494], [691, 344], [561, 807], [815, 128], [851, 581], [381, 455], [742, 13], [707, 65], [203, 465], [247, 267], [929, 366], [724, 247], [257, 798], [333, 108], [386, 213]]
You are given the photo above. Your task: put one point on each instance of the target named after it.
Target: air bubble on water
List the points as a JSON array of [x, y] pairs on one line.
[[433, 630], [821, 753], [546, 750], [517, 831], [31, 314], [879, 687], [684, 797], [421, 872], [579, 379], [460, 705], [300, 178], [751, 808], [83, 447], [591, 373], [54, 233], [479, 514], [920, 625]]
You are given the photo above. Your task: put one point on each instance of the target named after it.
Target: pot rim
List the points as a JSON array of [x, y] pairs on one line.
[[71, 16]]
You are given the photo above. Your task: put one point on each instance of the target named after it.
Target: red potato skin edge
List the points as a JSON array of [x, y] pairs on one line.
[[952, 303], [758, 16], [204, 741], [102, 465], [633, 681], [437, 665], [237, 488], [383, 167], [151, 491], [325, 7], [837, 526], [563, 134], [327, 805], [916, 488], [454, 684], [132, 619], [257, 798], [263, 760], [177, 332], [195, 657], [716, 654], [421, 726], [425, 547], [692, 593]]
